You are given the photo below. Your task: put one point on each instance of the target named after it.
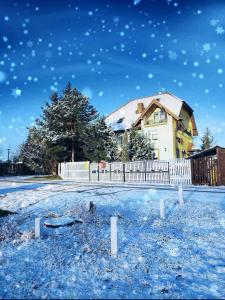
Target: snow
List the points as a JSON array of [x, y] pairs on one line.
[[128, 111], [180, 257]]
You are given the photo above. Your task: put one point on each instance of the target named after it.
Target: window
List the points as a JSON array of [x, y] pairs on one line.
[[119, 140], [120, 120], [156, 116], [162, 115], [154, 136]]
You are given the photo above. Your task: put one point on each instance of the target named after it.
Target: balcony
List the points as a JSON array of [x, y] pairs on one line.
[[155, 122]]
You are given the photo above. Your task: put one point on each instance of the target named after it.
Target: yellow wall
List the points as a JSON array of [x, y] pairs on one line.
[[187, 139]]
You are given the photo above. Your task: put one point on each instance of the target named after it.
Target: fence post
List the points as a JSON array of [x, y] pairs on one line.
[[98, 172], [89, 171], [124, 174], [145, 164], [162, 208], [181, 195], [114, 236], [37, 230], [110, 172], [169, 171]]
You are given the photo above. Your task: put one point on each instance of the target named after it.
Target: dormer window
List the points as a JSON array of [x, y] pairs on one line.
[[160, 115], [120, 121]]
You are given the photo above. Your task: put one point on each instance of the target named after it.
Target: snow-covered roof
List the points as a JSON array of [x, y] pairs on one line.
[[126, 115]]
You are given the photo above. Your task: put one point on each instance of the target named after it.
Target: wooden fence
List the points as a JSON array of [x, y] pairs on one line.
[[209, 169], [152, 171], [14, 169]]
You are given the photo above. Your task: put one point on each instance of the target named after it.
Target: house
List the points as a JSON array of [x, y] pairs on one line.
[[165, 120]]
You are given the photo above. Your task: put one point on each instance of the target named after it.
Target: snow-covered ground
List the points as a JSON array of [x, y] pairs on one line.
[[182, 256]]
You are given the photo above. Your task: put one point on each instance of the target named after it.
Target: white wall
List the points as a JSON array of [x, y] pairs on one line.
[[165, 142]]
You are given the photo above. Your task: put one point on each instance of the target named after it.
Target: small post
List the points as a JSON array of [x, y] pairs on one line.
[[114, 236], [89, 171], [162, 208], [110, 172], [124, 173], [98, 172], [37, 228], [145, 165], [92, 207], [181, 195]]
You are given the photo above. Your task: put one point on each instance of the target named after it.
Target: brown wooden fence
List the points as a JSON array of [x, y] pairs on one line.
[[208, 167]]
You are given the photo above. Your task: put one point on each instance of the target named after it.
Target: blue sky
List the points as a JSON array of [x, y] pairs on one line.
[[113, 51]]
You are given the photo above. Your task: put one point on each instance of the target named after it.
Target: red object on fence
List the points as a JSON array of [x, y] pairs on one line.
[[102, 164]]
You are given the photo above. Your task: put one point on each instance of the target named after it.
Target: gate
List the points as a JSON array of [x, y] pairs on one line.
[[205, 170]]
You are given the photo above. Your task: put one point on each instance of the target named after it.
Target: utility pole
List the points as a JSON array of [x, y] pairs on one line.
[[8, 153]]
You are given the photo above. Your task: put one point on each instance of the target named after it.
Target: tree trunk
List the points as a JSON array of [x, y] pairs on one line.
[[73, 150]]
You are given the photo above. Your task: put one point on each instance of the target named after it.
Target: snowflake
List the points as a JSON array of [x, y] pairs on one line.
[[5, 39], [219, 71], [136, 2], [150, 75], [206, 47], [214, 22], [219, 30], [16, 92], [2, 76], [172, 55], [196, 64], [100, 93]]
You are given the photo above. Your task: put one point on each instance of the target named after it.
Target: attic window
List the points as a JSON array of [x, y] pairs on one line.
[[120, 121]]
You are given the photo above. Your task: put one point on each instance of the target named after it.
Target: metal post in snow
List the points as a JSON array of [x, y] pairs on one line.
[[37, 229], [181, 195], [162, 208], [110, 172], [98, 172], [145, 165], [89, 170], [114, 250], [124, 174]]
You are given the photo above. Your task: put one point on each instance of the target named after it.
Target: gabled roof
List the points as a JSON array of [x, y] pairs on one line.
[[128, 111], [158, 104]]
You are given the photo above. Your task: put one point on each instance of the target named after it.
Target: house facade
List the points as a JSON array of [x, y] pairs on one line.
[[165, 120]]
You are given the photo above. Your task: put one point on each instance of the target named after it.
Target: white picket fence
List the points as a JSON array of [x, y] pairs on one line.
[[152, 171]]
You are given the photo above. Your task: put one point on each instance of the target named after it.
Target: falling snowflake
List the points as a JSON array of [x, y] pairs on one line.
[[16, 92], [2, 77], [214, 22], [206, 47], [219, 30], [136, 2], [150, 75], [172, 55]]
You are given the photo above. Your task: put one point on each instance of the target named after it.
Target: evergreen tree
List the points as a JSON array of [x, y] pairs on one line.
[[100, 142], [33, 151], [124, 155], [67, 118], [207, 140], [139, 147]]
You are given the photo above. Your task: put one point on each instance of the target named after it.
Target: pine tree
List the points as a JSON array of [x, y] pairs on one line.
[[33, 151], [207, 140], [67, 118], [124, 155], [100, 142], [139, 147]]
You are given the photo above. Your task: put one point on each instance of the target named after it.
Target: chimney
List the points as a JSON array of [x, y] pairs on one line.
[[140, 108]]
